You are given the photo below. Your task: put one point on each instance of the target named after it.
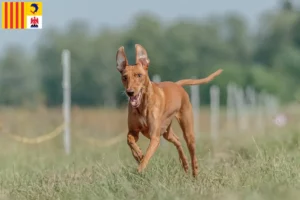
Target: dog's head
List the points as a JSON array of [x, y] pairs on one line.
[[134, 77]]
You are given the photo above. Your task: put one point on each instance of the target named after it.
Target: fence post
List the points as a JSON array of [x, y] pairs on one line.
[[66, 99], [230, 111], [241, 110], [195, 100], [260, 119], [215, 111], [251, 103]]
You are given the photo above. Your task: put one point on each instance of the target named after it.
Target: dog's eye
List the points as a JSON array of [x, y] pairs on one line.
[[124, 78], [139, 75]]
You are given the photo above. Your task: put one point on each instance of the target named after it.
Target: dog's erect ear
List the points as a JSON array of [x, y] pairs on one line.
[[121, 59], [141, 56]]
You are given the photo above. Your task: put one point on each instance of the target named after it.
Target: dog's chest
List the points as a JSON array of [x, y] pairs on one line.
[[143, 122]]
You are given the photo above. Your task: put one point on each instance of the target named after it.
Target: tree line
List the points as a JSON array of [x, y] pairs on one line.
[[268, 58]]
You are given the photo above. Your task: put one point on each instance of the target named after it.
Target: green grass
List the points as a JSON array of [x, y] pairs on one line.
[[238, 166], [241, 167]]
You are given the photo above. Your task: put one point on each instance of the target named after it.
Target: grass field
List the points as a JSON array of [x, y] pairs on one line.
[[252, 166]]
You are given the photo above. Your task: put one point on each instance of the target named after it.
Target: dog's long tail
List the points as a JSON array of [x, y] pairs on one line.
[[199, 81]]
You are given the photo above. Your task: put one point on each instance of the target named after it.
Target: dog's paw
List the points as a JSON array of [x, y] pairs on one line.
[[141, 168]]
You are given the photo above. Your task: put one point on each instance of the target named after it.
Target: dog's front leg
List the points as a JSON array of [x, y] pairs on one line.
[[132, 138], [154, 143]]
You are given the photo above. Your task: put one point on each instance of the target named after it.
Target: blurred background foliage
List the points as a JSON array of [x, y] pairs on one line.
[[267, 58]]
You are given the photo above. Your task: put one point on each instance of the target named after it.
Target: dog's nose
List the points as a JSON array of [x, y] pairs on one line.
[[130, 92]]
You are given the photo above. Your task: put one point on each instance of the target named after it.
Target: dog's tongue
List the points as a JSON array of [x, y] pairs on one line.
[[133, 100]]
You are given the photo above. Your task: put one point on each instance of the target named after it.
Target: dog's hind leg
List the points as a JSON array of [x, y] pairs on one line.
[[171, 137], [186, 122]]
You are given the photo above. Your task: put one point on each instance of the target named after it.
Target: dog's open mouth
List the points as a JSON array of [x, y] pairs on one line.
[[136, 100]]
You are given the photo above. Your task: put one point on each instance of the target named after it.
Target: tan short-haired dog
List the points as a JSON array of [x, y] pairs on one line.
[[152, 107]]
